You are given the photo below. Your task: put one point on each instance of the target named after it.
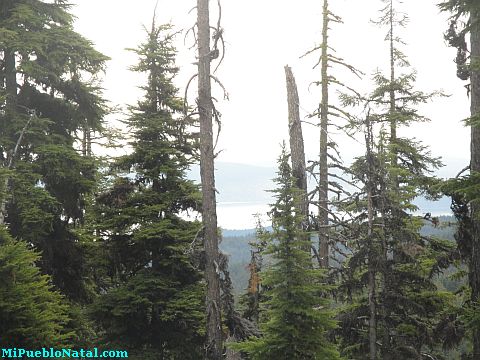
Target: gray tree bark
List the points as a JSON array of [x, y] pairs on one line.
[[323, 239], [475, 167], [296, 143], [393, 122], [214, 346], [372, 332]]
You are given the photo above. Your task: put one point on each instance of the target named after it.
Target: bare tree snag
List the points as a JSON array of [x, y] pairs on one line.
[[475, 168], [323, 238], [372, 305], [296, 144], [392, 110], [214, 345]]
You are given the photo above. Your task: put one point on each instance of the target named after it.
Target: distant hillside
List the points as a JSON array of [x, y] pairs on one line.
[[235, 244]]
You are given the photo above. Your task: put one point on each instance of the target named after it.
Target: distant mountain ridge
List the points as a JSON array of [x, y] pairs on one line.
[[235, 243], [243, 191]]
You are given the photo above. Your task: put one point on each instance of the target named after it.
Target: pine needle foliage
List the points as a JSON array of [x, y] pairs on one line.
[[154, 295], [32, 313], [395, 170], [296, 317], [50, 94]]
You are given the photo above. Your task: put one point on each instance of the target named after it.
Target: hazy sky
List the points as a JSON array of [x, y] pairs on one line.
[[264, 35]]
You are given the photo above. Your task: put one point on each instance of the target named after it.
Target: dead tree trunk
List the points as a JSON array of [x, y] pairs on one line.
[[296, 144], [475, 167], [323, 158], [372, 255], [214, 347], [393, 121]]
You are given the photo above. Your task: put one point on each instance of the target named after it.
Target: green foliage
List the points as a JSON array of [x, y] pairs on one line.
[[296, 317], [408, 306], [32, 313], [153, 294], [49, 95], [153, 312]]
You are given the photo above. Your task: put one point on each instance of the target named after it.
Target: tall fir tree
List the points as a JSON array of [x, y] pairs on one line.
[[392, 262], [49, 95], [296, 317], [329, 158], [154, 294]]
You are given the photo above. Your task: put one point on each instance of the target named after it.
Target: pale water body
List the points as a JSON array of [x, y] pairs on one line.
[[241, 215]]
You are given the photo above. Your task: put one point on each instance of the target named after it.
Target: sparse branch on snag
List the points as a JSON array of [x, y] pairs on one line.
[[344, 180], [218, 36], [333, 79], [319, 47], [340, 61], [309, 123], [225, 93], [185, 101], [335, 18], [217, 115], [192, 29]]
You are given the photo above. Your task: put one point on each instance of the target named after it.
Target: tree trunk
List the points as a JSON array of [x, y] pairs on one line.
[[11, 101], [89, 142], [475, 167], [323, 239], [395, 212], [296, 144], [214, 339], [10, 78], [393, 121], [372, 254]]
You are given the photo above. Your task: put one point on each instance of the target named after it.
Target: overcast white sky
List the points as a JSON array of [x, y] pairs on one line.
[[264, 35]]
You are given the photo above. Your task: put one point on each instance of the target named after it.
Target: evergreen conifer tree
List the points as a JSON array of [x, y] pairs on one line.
[[390, 257], [154, 300], [32, 314], [296, 316], [49, 96]]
